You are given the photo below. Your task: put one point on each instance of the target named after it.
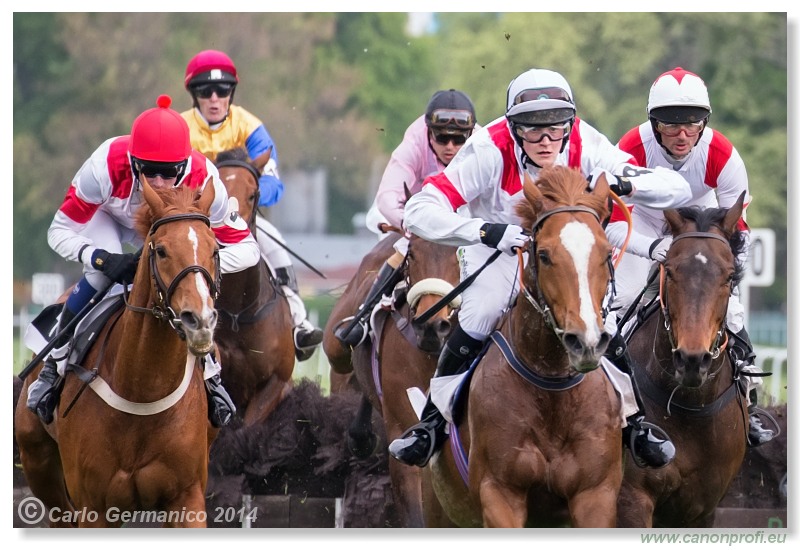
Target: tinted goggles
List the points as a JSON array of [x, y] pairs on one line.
[[222, 89], [458, 118], [165, 170], [542, 93], [535, 134], [443, 138], [673, 130]]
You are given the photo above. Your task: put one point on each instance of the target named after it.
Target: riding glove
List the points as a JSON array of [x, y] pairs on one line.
[[659, 247], [120, 268], [619, 185], [504, 237]]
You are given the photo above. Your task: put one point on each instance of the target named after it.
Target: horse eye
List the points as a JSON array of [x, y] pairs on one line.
[[544, 257], [252, 198], [161, 251]]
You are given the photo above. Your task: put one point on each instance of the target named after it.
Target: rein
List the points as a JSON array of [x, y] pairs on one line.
[[162, 310], [233, 163]]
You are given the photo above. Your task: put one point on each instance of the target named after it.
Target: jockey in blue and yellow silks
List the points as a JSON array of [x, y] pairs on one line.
[[216, 125]]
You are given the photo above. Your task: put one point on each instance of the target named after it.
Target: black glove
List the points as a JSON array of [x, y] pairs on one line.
[[622, 187], [120, 268], [504, 237]]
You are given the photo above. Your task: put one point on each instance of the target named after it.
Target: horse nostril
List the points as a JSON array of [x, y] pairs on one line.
[[573, 343], [602, 345], [443, 327], [212, 321], [189, 320]]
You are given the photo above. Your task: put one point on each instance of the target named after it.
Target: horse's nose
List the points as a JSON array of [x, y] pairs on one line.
[[191, 321], [442, 327], [573, 343], [691, 367]]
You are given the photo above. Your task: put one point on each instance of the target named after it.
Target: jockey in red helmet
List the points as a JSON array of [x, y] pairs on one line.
[[96, 219]]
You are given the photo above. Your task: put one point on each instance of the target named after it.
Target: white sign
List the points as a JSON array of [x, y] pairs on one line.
[[760, 269], [46, 288]]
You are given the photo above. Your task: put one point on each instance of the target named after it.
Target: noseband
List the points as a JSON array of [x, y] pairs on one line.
[[718, 345], [538, 303], [162, 310]]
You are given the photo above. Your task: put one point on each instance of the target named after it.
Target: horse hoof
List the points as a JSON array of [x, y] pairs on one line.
[[362, 447]]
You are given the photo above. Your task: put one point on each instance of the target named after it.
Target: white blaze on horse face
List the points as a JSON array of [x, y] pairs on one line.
[[700, 257], [199, 281], [579, 241]]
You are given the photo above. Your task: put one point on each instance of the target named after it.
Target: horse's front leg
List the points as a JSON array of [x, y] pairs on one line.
[[635, 508], [189, 510], [502, 506], [595, 507]]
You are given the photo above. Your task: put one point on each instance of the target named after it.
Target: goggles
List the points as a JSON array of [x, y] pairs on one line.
[[443, 138], [222, 89], [673, 130], [165, 170], [446, 117], [535, 134], [535, 94]]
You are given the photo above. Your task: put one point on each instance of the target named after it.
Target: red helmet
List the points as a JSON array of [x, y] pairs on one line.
[[160, 134], [210, 66]]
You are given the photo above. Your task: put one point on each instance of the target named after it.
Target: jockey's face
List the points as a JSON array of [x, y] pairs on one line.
[[215, 108], [159, 182], [447, 150], [545, 152]]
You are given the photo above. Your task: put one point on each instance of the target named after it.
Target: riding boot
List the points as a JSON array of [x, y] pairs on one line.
[[220, 405], [44, 392], [306, 336], [647, 448], [417, 445], [387, 276], [744, 356]]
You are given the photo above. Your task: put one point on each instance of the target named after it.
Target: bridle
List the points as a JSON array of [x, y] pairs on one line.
[[250, 168], [162, 310], [538, 302], [718, 344]]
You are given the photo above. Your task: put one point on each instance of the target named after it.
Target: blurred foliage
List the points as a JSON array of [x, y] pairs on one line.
[[337, 90]]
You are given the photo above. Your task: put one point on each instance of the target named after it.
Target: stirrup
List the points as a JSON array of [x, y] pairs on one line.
[[641, 427], [756, 413], [343, 323]]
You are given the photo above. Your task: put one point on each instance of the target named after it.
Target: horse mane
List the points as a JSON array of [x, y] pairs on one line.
[[706, 218], [176, 199], [238, 153], [561, 186]]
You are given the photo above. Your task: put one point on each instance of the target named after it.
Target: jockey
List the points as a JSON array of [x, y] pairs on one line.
[[429, 144], [539, 129], [677, 137], [97, 218], [217, 125]]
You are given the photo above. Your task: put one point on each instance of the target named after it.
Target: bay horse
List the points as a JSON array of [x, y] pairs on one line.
[[254, 334], [405, 355], [139, 440], [688, 381], [538, 437]]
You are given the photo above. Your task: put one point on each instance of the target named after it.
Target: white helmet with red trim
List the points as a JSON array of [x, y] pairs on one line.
[[678, 96]]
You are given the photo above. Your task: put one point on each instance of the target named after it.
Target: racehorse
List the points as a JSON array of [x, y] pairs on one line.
[[538, 437], [687, 379], [405, 355], [254, 334], [139, 441]]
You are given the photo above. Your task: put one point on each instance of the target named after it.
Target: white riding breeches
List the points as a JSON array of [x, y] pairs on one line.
[[490, 294]]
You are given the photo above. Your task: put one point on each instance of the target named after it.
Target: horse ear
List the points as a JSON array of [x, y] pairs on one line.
[[734, 214], [261, 160], [151, 198], [675, 220], [207, 198]]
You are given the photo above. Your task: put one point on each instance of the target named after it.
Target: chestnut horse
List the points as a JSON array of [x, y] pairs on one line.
[[139, 440], [688, 382], [254, 334], [540, 430], [405, 356]]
